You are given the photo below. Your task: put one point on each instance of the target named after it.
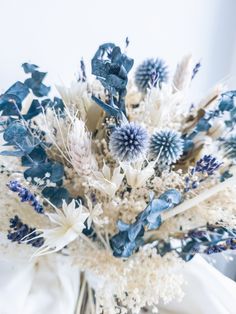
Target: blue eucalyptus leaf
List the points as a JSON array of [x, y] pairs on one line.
[[17, 135], [16, 132], [122, 226], [13, 153], [38, 155], [10, 105], [18, 89], [55, 195], [188, 145], [226, 103], [172, 196], [136, 230], [108, 108], [128, 250], [115, 82], [34, 109], [203, 125], [29, 68], [154, 221], [118, 242], [39, 171], [159, 205], [39, 89], [38, 76], [57, 104]]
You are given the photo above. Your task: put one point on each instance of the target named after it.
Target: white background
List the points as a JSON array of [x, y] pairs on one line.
[[55, 34]]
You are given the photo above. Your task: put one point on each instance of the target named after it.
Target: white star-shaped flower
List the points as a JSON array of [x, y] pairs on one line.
[[107, 182], [136, 174], [95, 214], [69, 223]]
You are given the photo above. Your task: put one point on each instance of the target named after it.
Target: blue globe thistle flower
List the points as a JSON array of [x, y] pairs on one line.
[[128, 142], [230, 147], [149, 73], [168, 145]]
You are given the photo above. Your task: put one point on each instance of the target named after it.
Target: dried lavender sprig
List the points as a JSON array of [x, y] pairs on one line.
[[206, 166], [196, 69], [83, 76], [25, 195], [208, 240], [19, 231]]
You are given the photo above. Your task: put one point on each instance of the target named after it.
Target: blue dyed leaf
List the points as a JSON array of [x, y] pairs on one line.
[[122, 226], [34, 110], [118, 242], [13, 153], [188, 145], [16, 132], [56, 104], [154, 221], [10, 105], [108, 108], [29, 68], [39, 89], [18, 89], [135, 230], [128, 250], [39, 171], [203, 125], [172, 196], [159, 205], [55, 195], [38, 155]]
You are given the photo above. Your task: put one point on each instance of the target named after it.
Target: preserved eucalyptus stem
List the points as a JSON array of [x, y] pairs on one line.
[[198, 199]]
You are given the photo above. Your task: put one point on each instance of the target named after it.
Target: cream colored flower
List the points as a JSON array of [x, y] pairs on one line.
[[77, 97], [107, 182], [95, 214], [80, 149], [69, 223], [136, 174]]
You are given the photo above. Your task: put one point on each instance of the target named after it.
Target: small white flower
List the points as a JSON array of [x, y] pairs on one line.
[[107, 182], [69, 223], [136, 175], [95, 214]]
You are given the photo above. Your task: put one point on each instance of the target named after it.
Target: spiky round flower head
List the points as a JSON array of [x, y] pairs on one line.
[[128, 142], [168, 145], [150, 73], [230, 147]]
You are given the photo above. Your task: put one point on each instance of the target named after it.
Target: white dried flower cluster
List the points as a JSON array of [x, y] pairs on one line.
[[131, 282]]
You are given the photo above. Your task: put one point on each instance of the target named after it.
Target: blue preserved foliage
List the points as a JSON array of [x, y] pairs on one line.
[[27, 141], [130, 236], [111, 68]]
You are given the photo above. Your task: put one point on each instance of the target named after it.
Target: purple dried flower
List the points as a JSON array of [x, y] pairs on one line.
[[196, 69], [25, 195], [21, 231], [208, 164]]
